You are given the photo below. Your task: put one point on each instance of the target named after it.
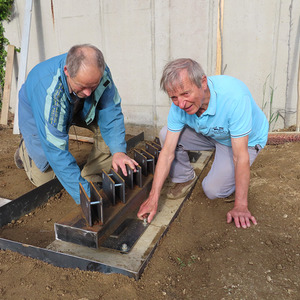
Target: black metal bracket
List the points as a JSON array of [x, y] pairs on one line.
[[92, 208], [154, 149], [91, 226]]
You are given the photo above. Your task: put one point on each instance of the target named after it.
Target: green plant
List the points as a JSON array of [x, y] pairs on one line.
[[272, 116], [5, 13], [182, 264]]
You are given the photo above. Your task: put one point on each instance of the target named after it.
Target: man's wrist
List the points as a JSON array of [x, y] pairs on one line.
[[241, 203], [154, 196]]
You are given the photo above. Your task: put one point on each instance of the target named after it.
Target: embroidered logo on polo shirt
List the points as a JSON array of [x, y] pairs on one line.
[[219, 132]]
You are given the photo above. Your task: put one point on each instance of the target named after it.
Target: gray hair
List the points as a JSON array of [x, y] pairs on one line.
[[171, 73], [79, 55]]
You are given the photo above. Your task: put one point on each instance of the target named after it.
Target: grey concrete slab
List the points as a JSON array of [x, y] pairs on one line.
[[4, 201]]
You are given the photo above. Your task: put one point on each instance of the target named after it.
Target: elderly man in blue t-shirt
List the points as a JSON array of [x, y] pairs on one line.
[[208, 113]]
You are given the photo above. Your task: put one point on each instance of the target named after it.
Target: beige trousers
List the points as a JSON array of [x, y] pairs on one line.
[[32, 171], [99, 159]]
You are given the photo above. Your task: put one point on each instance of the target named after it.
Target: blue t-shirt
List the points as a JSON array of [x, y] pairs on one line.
[[231, 113]]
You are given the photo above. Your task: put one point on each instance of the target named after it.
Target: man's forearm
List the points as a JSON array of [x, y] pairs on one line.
[[242, 180], [161, 173]]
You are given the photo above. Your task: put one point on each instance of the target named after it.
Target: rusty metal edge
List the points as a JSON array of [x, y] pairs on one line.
[[37, 197], [63, 260], [132, 142], [29, 201]]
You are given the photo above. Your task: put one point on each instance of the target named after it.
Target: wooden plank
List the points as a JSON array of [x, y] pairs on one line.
[[298, 101], [80, 138], [7, 85], [219, 38]]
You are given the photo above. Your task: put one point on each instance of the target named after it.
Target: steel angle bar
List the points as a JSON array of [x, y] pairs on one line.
[[129, 178], [96, 205], [153, 149], [108, 186], [142, 161], [156, 140], [150, 161], [29, 201], [157, 145], [137, 176], [85, 204], [119, 184]]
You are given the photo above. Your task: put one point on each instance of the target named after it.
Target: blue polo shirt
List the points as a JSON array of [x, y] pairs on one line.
[[231, 113]]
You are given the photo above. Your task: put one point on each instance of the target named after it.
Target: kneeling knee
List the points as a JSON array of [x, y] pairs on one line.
[[212, 192], [209, 191]]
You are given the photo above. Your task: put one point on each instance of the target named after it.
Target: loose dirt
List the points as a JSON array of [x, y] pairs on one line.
[[201, 257]]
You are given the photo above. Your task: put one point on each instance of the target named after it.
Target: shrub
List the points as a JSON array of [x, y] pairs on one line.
[[5, 13]]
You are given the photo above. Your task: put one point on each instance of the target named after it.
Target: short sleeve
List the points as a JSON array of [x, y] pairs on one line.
[[240, 122], [175, 122]]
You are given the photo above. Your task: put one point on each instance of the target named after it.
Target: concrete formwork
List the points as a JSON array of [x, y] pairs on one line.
[[260, 45]]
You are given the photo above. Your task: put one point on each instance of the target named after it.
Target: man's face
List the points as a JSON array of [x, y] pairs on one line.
[[188, 96], [85, 82]]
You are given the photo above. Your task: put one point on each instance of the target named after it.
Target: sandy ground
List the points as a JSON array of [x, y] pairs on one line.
[[201, 257]]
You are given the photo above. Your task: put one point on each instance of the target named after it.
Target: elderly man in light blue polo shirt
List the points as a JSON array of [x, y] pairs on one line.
[[216, 112]]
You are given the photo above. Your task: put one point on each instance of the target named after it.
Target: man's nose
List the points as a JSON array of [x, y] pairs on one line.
[[181, 102], [87, 92]]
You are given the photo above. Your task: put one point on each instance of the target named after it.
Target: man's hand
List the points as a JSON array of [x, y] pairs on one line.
[[120, 159], [241, 216], [148, 208]]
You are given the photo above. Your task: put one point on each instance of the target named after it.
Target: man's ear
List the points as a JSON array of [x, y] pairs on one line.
[[66, 71], [204, 82]]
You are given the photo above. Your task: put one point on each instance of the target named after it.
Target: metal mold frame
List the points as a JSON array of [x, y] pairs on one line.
[[68, 255]]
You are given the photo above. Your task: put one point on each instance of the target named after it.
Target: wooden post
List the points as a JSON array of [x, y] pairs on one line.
[[219, 37], [298, 103], [7, 84]]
